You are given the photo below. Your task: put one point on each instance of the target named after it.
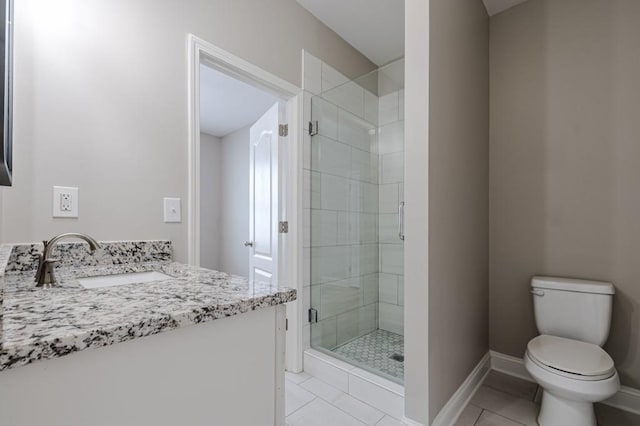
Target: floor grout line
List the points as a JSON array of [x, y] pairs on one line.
[[302, 406], [482, 410], [353, 417], [510, 394], [535, 394], [380, 421], [316, 396], [348, 394], [305, 380], [508, 418], [298, 384]]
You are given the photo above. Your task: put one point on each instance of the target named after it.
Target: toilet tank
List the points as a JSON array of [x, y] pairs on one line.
[[573, 308]]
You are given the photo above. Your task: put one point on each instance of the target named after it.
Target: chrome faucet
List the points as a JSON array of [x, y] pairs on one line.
[[45, 276]]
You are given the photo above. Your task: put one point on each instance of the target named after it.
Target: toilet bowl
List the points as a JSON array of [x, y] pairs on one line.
[[573, 375], [573, 317]]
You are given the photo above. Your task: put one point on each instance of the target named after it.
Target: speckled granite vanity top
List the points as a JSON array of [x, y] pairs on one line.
[[47, 323]]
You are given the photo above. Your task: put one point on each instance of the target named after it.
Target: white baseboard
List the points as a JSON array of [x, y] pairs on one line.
[[510, 365], [627, 399], [458, 401]]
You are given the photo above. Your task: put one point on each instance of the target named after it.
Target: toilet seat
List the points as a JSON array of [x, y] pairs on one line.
[[571, 358]]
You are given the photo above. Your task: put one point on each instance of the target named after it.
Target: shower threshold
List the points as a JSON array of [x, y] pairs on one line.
[[361, 382]]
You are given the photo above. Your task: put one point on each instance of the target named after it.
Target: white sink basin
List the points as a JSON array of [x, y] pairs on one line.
[[122, 279]]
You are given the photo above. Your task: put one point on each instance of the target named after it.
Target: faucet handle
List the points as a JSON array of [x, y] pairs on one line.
[[42, 260]]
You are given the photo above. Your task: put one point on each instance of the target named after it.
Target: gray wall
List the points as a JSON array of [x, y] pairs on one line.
[[234, 202], [565, 162], [210, 201], [458, 194], [101, 100], [416, 192]]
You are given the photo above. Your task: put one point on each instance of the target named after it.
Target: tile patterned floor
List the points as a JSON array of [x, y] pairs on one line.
[[375, 350], [311, 402], [504, 400]]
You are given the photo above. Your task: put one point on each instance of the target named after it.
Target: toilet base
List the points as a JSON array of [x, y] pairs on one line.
[[557, 411]]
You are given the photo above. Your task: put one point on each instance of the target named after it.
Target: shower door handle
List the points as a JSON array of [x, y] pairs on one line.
[[401, 220]]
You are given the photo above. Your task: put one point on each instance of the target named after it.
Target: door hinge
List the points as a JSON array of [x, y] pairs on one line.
[[283, 130], [286, 324], [313, 128], [283, 227], [313, 315]]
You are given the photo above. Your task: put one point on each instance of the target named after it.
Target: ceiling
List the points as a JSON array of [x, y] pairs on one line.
[[227, 104], [376, 27], [373, 27], [496, 6]]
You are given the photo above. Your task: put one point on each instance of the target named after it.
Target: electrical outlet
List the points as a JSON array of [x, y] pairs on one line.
[[65, 202]]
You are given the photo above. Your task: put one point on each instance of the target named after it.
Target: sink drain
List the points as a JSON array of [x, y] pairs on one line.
[[397, 357]]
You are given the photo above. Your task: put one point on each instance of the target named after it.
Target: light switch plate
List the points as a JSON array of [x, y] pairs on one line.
[[172, 210], [65, 201]]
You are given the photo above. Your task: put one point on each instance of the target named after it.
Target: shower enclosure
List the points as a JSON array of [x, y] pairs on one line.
[[356, 236]]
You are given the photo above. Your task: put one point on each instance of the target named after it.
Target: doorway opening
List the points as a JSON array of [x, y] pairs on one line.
[[244, 204], [237, 120]]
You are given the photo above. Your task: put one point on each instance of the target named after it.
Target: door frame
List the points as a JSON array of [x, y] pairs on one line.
[[290, 177]]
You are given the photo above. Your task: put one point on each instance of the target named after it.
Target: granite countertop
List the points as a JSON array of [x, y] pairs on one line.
[[40, 324]]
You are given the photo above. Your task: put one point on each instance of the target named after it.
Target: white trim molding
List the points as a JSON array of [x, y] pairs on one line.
[[510, 365], [203, 52], [459, 400], [627, 399], [290, 246], [292, 258]]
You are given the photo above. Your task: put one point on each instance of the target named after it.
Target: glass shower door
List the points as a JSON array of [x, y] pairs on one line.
[[355, 189]]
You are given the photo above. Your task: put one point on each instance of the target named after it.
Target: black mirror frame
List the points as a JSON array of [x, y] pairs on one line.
[[6, 98]]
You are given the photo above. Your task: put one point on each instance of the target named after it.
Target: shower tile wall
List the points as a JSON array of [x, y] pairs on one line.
[[341, 201], [391, 193]]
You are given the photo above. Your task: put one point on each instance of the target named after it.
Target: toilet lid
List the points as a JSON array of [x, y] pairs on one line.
[[571, 356]]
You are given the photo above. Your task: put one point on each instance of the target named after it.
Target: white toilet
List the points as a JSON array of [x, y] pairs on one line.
[[566, 360]]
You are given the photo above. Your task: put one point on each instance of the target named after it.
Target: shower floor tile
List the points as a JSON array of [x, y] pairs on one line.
[[376, 350]]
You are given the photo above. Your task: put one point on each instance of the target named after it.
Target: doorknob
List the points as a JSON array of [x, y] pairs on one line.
[[248, 244]]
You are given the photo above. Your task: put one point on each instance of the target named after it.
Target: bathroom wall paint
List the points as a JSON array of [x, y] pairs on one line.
[[224, 203], [210, 199], [234, 202], [458, 194], [416, 253], [100, 103], [565, 163]]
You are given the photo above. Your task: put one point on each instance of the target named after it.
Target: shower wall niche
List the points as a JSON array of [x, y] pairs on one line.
[[354, 171]]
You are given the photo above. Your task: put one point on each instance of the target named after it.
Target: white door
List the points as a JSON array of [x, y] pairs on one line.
[[263, 198]]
